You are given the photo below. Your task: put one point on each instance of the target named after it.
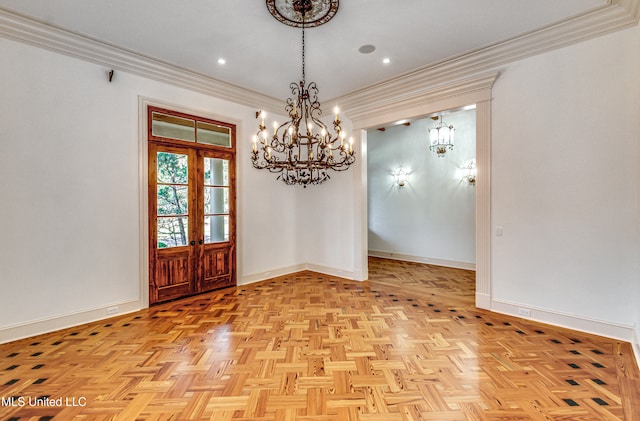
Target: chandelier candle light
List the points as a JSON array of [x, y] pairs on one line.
[[302, 150]]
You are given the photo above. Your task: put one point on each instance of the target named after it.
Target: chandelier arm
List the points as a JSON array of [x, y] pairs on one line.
[[344, 165], [262, 165]]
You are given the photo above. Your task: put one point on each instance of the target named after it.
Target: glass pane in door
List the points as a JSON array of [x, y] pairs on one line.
[[216, 228], [216, 172], [216, 200], [172, 168], [173, 200], [172, 231], [172, 214]]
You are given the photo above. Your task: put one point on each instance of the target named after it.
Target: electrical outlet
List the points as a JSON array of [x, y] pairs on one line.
[[112, 310], [524, 312]]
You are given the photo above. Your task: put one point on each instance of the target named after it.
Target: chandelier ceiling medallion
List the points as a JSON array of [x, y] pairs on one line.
[[302, 150]]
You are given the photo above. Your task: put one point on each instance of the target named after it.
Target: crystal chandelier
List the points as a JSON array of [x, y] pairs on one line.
[[441, 137], [303, 149]]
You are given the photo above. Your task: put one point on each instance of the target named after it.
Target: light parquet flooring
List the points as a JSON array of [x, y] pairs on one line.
[[406, 345]]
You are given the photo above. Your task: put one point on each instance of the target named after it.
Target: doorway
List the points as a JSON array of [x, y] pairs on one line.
[[191, 187], [421, 207], [448, 96]]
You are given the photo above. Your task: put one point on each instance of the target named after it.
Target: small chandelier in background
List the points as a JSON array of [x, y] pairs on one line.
[[302, 150], [441, 137]]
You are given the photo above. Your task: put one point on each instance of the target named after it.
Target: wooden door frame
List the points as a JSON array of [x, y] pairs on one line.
[[143, 182], [231, 157], [192, 201], [197, 258]]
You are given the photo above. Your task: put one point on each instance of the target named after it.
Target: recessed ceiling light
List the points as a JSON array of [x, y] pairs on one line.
[[367, 49], [386, 60], [222, 61]]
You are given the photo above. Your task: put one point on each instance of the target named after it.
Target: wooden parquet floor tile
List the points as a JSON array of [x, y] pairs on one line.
[[406, 345]]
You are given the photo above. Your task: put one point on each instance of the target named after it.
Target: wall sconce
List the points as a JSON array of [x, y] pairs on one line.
[[400, 176], [470, 172]]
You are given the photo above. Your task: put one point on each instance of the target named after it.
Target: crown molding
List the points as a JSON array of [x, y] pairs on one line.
[[616, 15], [423, 100], [19, 28], [631, 6]]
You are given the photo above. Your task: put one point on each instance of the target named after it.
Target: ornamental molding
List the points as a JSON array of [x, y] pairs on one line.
[[296, 12], [410, 87], [22, 29], [615, 15], [424, 100]]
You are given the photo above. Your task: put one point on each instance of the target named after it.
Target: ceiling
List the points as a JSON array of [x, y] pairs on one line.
[[263, 55]]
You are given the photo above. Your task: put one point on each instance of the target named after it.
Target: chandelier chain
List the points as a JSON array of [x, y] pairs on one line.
[[304, 80]]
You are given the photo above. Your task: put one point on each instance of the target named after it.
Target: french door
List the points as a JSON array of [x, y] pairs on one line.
[[191, 220]]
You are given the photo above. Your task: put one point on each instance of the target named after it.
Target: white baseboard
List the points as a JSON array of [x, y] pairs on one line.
[[483, 301], [340, 273], [273, 273], [421, 259], [50, 324], [569, 321]]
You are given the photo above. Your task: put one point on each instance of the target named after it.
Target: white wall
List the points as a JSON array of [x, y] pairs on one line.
[[326, 219], [565, 181], [70, 207], [431, 218]]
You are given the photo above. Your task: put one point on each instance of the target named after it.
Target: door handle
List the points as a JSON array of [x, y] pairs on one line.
[[192, 242]]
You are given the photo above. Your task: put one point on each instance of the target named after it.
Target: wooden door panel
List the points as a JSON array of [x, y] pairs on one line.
[[215, 264], [217, 252], [172, 270], [217, 267], [172, 206]]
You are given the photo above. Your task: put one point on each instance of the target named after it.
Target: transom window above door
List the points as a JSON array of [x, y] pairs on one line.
[[176, 126]]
